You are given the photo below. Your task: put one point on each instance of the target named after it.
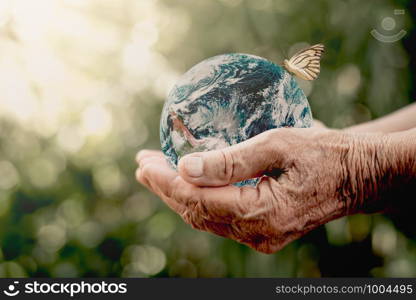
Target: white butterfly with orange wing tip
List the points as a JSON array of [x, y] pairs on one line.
[[305, 63]]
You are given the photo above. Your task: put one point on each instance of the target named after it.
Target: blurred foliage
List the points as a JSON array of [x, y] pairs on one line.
[[82, 84]]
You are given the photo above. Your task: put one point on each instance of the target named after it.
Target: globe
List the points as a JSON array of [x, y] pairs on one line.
[[227, 99]]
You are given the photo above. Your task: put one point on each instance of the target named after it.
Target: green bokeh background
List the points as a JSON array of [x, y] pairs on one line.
[[82, 85]]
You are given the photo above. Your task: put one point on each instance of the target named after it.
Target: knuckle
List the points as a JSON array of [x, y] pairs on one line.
[[145, 171], [200, 208], [141, 179], [138, 174], [186, 217], [237, 232], [191, 219], [148, 160], [218, 229], [141, 154], [272, 133], [227, 162], [194, 207], [175, 190], [267, 244], [268, 141], [250, 204], [183, 192], [276, 133], [266, 248]]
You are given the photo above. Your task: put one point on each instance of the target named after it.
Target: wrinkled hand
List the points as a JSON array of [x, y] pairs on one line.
[[308, 176]]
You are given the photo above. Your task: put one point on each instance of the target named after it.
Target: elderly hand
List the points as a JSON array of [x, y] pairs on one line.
[[309, 176]]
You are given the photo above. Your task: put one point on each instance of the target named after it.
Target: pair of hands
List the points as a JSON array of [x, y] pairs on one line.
[[309, 177]]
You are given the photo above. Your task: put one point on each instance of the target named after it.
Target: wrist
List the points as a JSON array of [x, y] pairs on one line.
[[403, 149], [403, 145], [378, 169]]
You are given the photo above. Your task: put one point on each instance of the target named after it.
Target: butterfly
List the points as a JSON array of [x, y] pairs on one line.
[[305, 63]]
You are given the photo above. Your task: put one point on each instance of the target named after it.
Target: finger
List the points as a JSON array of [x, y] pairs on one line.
[[162, 182], [219, 204], [193, 214], [149, 159], [224, 211], [145, 161], [157, 176], [219, 210], [140, 178], [142, 154], [245, 160], [224, 204]]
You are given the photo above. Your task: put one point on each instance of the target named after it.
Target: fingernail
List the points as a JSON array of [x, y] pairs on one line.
[[194, 166]]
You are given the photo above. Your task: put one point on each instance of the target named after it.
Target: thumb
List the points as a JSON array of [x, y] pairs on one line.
[[245, 160]]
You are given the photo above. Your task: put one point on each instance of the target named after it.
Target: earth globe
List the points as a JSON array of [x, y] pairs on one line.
[[230, 98]]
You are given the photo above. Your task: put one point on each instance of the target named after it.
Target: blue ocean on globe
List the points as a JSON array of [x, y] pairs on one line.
[[227, 99]]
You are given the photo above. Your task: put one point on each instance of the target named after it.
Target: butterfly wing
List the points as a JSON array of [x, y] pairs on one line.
[[306, 63]]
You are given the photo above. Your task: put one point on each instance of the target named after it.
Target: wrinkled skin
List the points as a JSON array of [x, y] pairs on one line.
[[310, 176]]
